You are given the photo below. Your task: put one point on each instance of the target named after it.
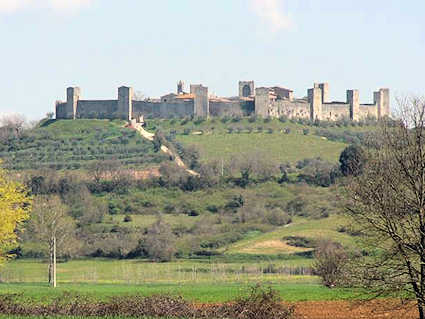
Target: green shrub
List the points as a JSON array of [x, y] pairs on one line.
[[283, 118], [252, 118]]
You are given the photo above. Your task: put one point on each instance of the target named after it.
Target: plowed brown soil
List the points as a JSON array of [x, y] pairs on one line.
[[355, 310]]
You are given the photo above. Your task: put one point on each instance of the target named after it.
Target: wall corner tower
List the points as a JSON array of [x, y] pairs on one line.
[[72, 97], [125, 103]]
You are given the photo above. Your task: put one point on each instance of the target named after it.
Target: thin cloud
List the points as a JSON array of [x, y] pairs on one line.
[[11, 6], [272, 14], [69, 4]]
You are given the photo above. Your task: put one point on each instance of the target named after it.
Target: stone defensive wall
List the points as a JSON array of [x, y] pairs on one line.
[[278, 101], [263, 101]]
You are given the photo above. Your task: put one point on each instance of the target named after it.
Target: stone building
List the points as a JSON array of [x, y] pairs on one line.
[[263, 101]]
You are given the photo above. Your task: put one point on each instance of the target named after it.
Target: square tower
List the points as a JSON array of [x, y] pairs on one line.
[[381, 99], [201, 100], [125, 103], [262, 101], [324, 87], [246, 88], [315, 100], [72, 97], [353, 101]]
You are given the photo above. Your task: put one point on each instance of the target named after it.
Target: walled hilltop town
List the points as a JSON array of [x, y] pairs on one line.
[[263, 101]]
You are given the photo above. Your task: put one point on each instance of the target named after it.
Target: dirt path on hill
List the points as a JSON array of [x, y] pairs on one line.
[[150, 136]]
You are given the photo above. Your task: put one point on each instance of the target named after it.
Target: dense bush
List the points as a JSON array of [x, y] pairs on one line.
[[318, 172], [252, 118], [352, 160], [349, 137], [260, 303], [297, 241]]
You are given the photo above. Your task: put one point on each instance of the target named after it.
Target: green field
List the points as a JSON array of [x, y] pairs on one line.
[[139, 271], [265, 138], [278, 147], [206, 280], [205, 293]]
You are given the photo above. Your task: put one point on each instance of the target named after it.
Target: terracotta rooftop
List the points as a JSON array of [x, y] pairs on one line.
[[185, 96]]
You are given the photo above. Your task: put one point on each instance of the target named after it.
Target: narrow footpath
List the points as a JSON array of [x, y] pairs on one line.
[[150, 136]]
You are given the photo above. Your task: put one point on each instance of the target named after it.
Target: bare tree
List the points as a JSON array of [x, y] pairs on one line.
[[51, 224], [330, 263], [387, 202], [13, 122], [138, 96], [50, 115], [160, 241]]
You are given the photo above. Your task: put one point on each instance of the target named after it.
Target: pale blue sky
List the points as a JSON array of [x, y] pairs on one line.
[[47, 45]]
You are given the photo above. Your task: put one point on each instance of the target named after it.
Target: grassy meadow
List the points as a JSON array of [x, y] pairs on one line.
[[274, 242], [278, 147], [202, 293], [139, 271], [267, 137]]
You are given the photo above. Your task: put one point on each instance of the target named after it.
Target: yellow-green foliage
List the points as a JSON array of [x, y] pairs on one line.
[[15, 206]]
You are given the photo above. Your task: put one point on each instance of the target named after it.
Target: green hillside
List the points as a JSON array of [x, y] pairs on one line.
[[68, 145], [279, 140], [278, 200], [278, 147]]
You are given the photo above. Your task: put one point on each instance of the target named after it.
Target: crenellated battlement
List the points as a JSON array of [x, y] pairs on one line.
[[317, 106], [273, 101]]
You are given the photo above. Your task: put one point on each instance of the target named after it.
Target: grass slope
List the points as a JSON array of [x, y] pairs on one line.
[[66, 144], [273, 243], [265, 137], [277, 147]]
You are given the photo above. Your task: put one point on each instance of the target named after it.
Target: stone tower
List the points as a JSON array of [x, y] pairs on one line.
[[125, 103], [262, 101], [246, 88], [315, 100], [353, 101], [201, 100], [324, 87], [72, 97], [381, 99], [180, 87]]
